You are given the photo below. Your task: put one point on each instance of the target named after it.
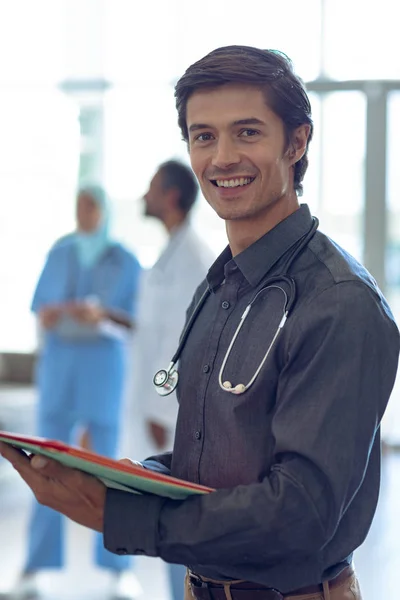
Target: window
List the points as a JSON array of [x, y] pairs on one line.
[[39, 145], [334, 185], [358, 41], [156, 41]]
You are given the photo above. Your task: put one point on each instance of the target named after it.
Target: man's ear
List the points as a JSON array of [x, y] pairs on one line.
[[298, 143], [172, 198]]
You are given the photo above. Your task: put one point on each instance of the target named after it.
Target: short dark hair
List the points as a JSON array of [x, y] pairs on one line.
[[269, 70], [177, 175]]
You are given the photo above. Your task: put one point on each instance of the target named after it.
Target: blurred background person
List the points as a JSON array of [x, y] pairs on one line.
[[85, 301], [165, 294]]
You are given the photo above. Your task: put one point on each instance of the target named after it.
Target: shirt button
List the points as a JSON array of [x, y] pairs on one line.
[[122, 551], [225, 304], [197, 435], [206, 368]]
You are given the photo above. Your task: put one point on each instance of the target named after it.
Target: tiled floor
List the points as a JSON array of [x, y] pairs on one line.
[[377, 561]]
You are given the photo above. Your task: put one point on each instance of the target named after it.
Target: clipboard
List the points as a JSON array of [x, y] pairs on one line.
[[128, 478]]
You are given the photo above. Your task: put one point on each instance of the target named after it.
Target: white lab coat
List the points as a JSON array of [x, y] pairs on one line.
[[166, 292]]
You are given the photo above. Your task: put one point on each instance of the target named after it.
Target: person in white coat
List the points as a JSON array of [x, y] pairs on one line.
[[165, 294]]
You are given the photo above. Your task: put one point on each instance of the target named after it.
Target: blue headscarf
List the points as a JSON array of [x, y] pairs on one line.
[[90, 246]]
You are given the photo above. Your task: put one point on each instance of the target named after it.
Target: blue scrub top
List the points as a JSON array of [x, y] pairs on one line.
[[113, 279], [84, 377]]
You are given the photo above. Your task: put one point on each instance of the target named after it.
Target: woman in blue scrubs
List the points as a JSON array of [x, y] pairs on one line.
[[85, 301]]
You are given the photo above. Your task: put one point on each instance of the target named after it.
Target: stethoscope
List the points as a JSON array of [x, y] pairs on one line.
[[166, 380]]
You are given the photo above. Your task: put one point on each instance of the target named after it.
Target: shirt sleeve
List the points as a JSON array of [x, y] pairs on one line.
[[50, 284], [340, 365], [163, 460]]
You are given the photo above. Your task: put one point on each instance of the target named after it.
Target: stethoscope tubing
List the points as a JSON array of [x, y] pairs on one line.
[[166, 380], [241, 388]]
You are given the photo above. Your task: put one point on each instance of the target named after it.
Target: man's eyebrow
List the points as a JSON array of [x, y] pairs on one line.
[[247, 121], [197, 126]]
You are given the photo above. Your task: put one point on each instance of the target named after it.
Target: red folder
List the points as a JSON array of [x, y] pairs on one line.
[[130, 478]]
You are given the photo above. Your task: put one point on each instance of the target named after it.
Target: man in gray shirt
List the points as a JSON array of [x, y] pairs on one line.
[[285, 373]]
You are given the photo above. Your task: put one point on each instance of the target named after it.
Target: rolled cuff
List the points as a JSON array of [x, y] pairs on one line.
[[131, 523]]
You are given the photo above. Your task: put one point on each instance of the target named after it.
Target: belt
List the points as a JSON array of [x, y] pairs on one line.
[[204, 589]]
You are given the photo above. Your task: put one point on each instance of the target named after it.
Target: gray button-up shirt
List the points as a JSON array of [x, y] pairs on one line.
[[296, 458]]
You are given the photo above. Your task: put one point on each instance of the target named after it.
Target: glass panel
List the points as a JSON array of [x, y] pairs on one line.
[[83, 37], [393, 201], [262, 23], [179, 32], [141, 40], [39, 153], [312, 179], [359, 39], [336, 174], [140, 131], [91, 142], [31, 41], [391, 427]]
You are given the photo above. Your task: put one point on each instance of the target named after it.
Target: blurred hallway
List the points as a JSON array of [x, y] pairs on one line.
[[377, 561]]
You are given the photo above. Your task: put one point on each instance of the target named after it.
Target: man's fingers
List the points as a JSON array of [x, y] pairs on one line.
[[22, 464], [79, 496], [32, 467], [14, 455], [130, 463], [21, 461], [52, 469], [126, 461], [67, 477]]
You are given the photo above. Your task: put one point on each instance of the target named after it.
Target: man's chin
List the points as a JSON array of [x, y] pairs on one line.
[[233, 211], [231, 215]]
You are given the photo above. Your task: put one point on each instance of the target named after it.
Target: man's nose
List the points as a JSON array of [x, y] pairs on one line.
[[226, 153]]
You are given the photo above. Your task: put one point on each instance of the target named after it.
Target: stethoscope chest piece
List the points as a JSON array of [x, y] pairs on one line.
[[165, 381]]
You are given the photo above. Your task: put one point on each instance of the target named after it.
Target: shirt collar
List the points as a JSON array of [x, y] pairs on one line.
[[260, 257]]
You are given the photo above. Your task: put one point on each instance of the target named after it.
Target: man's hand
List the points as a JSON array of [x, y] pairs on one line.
[[79, 496], [158, 433]]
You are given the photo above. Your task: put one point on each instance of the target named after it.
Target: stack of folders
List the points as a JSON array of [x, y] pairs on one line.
[[129, 478]]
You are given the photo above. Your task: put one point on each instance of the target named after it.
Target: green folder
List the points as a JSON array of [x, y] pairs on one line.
[[133, 479]]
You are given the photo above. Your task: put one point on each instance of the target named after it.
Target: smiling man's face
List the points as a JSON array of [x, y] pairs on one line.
[[238, 151]]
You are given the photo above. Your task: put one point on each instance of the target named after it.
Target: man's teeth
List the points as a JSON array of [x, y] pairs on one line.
[[234, 182]]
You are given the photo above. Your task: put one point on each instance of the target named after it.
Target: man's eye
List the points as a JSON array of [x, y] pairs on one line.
[[248, 132], [203, 137]]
